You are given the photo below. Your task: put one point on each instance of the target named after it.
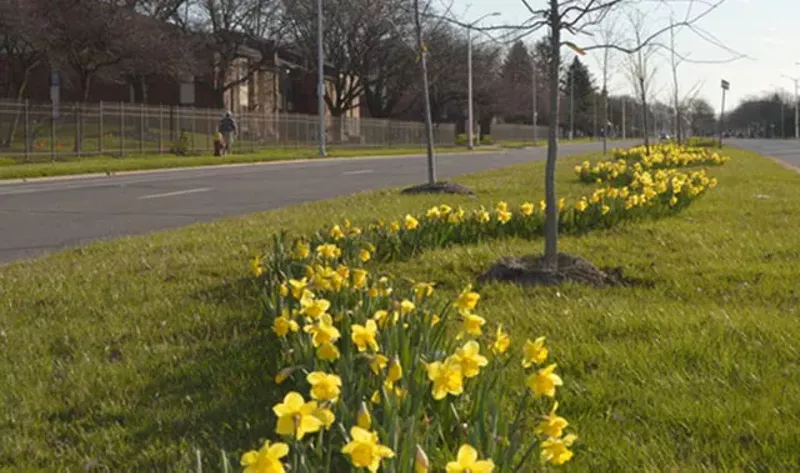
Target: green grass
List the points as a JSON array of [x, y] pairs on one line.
[[108, 165], [134, 352]]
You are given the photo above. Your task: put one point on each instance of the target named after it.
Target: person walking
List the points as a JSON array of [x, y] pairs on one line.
[[227, 127]]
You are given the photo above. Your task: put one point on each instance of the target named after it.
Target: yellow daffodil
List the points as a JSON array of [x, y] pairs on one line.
[[467, 462], [265, 460], [328, 352], [501, 341], [423, 290], [472, 323], [394, 227], [582, 205], [483, 216], [395, 370], [407, 307], [364, 449], [322, 331], [364, 419], [284, 290], [502, 206], [421, 463], [329, 251], [314, 308], [552, 425], [359, 278], [365, 335], [375, 398], [301, 250], [435, 319], [467, 300], [544, 382], [534, 352], [673, 201], [503, 216], [364, 256], [377, 363], [526, 209], [326, 416], [336, 233], [381, 317], [324, 386], [542, 205], [284, 324], [605, 209], [447, 378], [433, 213], [295, 416], [561, 203], [556, 451], [410, 222], [470, 359], [255, 266]]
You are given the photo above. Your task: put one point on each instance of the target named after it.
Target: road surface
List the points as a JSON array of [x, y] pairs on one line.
[[43, 216], [787, 151]]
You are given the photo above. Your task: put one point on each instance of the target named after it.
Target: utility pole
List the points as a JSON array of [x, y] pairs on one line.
[[320, 81], [571, 104], [796, 104], [470, 119], [725, 86], [594, 119], [535, 110], [624, 130]]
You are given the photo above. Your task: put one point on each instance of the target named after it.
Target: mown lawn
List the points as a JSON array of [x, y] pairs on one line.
[[134, 353], [106, 165]]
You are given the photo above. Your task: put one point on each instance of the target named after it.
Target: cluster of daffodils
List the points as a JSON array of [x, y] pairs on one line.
[[629, 161], [383, 374]]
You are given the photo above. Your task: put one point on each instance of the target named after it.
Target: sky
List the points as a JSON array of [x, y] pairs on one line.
[[765, 31]]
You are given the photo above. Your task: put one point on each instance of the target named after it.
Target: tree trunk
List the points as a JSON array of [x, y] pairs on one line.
[[644, 116], [551, 213], [12, 129], [605, 119], [427, 98]]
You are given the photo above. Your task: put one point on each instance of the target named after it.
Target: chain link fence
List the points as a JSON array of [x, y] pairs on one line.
[[41, 132]]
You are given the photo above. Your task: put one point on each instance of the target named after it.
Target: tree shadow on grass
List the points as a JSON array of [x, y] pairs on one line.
[[219, 396]]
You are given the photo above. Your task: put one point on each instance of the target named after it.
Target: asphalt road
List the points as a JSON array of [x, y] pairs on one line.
[[787, 151], [37, 217]]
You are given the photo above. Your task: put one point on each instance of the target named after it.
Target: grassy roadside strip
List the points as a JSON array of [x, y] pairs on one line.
[[108, 165], [132, 353]]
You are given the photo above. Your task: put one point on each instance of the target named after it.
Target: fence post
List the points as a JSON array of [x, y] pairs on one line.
[[26, 128], [161, 129], [141, 128], [121, 129], [102, 133], [52, 131], [79, 127], [194, 125]]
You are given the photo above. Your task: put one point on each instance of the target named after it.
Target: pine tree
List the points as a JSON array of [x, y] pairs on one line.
[[583, 96], [516, 84]]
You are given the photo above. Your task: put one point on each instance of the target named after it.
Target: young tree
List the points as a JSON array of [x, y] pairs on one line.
[[641, 69], [422, 48], [607, 35], [576, 17]]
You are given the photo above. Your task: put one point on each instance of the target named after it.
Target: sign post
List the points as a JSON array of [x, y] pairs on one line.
[[725, 87]]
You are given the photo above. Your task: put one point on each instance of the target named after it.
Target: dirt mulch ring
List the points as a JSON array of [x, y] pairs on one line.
[[441, 187], [528, 271]]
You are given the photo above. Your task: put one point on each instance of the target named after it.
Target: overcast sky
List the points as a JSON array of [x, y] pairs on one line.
[[767, 31]]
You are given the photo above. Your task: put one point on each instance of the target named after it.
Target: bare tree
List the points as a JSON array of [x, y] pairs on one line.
[[237, 37], [575, 17], [422, 48], [607, 34], [22, 36], [641, 70]]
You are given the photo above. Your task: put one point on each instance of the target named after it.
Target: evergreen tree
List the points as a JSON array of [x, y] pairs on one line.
[[583, 96], [515, 85]]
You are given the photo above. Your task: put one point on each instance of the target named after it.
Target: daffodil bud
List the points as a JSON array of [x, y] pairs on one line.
[[395, 370], [421, 464], [364, 419], [284, 374]]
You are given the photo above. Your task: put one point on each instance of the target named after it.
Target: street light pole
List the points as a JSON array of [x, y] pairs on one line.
[[320, 81], [535, 110], [470, 120], [571, 105], [470, 138]]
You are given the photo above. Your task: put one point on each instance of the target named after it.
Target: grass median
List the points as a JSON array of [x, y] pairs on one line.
[[110, 165], [136, 352]]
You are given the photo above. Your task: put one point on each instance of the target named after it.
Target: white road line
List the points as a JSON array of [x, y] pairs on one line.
[[354, 173], [170, 194]]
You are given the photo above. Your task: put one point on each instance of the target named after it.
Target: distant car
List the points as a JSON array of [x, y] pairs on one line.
[[664, 137]]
